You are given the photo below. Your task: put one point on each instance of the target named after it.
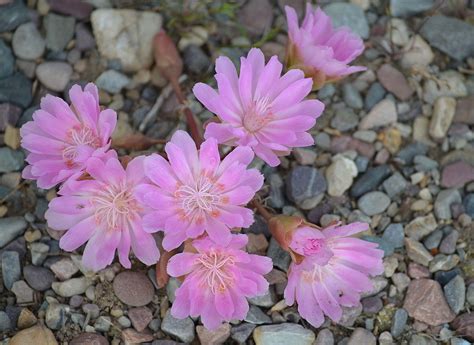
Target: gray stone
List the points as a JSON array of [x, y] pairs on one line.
[[5, 323], [372, 305], [325, 337], [242, 332], [11, 160], [421, 226], [39, 278], [12, 15], [23, 293], [39, 252], [444, 200], [84, 39], [386, 246], [54, 75], [112, 81], [305, 183], [382, 114], [455, 293], [422, 339], [468, 204], [362, 336], [8, 62], [195, 60], [267, 300], [373, 203], [124, 322], [327, 91], [280, 257], [71, 287], [399, 322], [417, 252], [92, 310], [11, 228], [394, 234], [16, 89], [250, 16], [103, 323], [450, 35], [371, 179], [349, 15], [444, 277], [27, 42], [423, 163], [11, 268], [408, 153], [351, 96], [406, 8], [378, 284], [401, 281], [470, 294], [448, 244], [171, 287], [283, 334], [64, 268], [350, 315], [374, 95], [277, 197], [345, 120], [395, 185], [181, 329], [256, 316], [59, 31], [432, 240], [56, 315], [443, 262]]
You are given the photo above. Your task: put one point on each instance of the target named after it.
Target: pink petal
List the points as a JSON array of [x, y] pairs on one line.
[[79, 234]]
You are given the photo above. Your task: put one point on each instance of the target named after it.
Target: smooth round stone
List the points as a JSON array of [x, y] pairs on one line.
[[54, 75], [27, 42], [373, 203], [133, 288], [88, 339], [39, 278]]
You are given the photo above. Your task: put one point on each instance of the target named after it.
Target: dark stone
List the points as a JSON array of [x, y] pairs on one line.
[[408, 153], [468, 203], [12, 15], [195, 60], [9, 115], [371, 179], [8, 62], [314, 216], [84, 38], [39, 278], [444, 277], [78, 9], [374, 95], [304, 183], [16, 89]]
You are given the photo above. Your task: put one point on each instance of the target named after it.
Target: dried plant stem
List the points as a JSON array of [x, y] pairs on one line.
[[261, 209]]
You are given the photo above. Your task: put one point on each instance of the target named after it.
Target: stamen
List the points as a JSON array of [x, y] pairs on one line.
[[80, 135], [216, 271], [197, 198], [257, 115]]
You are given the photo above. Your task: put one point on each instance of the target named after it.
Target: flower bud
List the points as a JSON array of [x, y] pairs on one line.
[[167, 57]]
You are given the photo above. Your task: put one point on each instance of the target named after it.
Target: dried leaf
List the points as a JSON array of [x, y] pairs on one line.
[[135, 141], [167, 57], [162, 276]]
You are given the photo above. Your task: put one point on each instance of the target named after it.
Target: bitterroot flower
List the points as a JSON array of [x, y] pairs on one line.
[[104, 212], [196, 192], [61, 138], [260, 108], [332, 271], [322, 52], [217, 280]]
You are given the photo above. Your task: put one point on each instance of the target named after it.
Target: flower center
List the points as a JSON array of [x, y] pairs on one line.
[[313, 246], [114, 206], [216, 269], [197, 198], [78, 136], [257, 115]]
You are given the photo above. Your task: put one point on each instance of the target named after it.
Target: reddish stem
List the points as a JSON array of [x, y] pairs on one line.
[[261, 209]]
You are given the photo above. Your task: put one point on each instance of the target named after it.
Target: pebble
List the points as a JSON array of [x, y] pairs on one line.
[[450, 35], [463, 324], [421, 227], [56, 315], [215, 337], [305, 156], [5, 323], [362, 336], [457, 174], [385, 338], [394, 81], [417, 271], [417, 252], [267, 300], [282, 334], [126, 36], [416, 53], [124, 321], [27, 42], [39, 278], [242, 332], [382, 114], [303, 184], [455, 293], [39, 335], [348, 15], [449, 83], [373, 203], [112, 81], [12, 15], [16, 89], [370, 180], [64, 268], [421, 339], [374, 95], [250, 16], [8, 62], [23, 293], [394, 234], [59, 31], [12, 227], [183, 329], [130, 336], [444, 277], [444, 200], [443, 114], [350, 314], [344, 120], [256, 316], [54, 75], [464, 110], [140, 317], [470, 294], [11, 268], [432, 240], [448, 245], [88, 339], [196, 60], [133, 288], [425, 302], [78, 9], [102, 324], [280, 257], [399, 322], [351, 96], [407, 8], [372, 305], [71, 287], [39, 252], [395, 184], [442, 262], [325, 337], [340, 175], [468, 204], [401, 281]]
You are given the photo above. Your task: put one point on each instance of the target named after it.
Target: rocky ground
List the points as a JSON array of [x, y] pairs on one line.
[[394, 148]]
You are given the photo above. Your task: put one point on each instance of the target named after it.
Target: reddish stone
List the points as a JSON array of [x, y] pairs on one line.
[[215, 337], [257, 244], [133, 288], [425, 302], [464, 325], [344, 143], [75, 8], [89, 339], [457, 174], [130, 336], [276, 277], [417, 271], [140, 317], [465, 110], [394, 81]]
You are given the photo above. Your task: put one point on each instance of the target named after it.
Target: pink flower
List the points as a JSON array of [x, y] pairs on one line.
[[259, 108], [320, 50], [196, 192], [61, 138], [334, 270], [217, 280], [103, 212]]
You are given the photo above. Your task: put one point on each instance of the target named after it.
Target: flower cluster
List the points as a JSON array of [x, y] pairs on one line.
[[199, 199]]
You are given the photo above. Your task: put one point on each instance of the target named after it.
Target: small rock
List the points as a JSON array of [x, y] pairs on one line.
[[425, 302], [443, 114], [395, 185], [84, 39], [11, 268], [468, 204], [455, 293], [448, 245], [394, 81], [465, 110], [374, 95], [54, 75], [282, 334], [417, 271], [348, 15], [406, 8], [464, 324], [64, 269], [443, 262], [351, 96], [371, 179], [133, 288], [56, 315], [195, 60], [267, 300], [5, 323], [417, 252], [449, 83], [78, 9], [59, 31], [325, 337], [12, 15], [16, 89], [457, 174], [344, 120], [8, 62], [362, 336], [399, 322], [249, 16], [23, 293], [443, 203], [305, 156], [182, 329], [130, 336], [35, 335], [444, 277], [280, 257], [340, 175], [215, 337], [12, 227], [401, 281], [242, 332], [373, 203], [416, 53], [394, 234], [421, 339], [305, 183], [71, 287], [27, 42], [256, 316], [39, 252], [89, 339], [382, 114], [112, 81], [432, 240], [102, 324], [372, 305], [26, 319], [470, 294], [420, 227], [350, 314], [140, 317], [92, 310], [39, 278]]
